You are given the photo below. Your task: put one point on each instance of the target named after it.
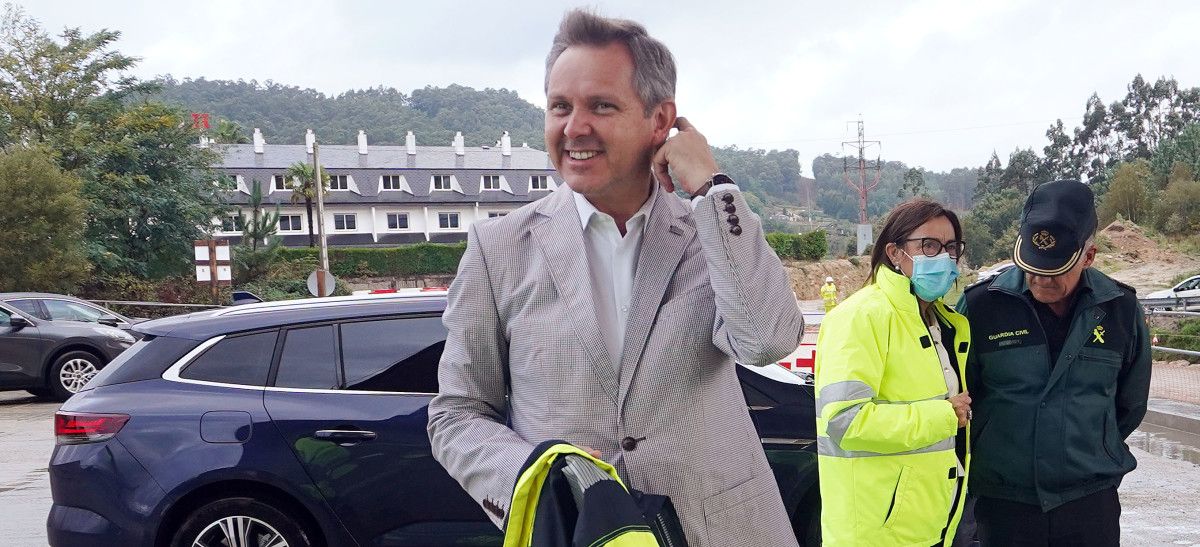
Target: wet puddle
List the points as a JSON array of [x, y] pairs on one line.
[[1166, 442]]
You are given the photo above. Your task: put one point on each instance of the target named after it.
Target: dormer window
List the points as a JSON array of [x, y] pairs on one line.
[[392, 182], [279, 182], [441, 182], [338, 182], [491, 182], [539, 182]]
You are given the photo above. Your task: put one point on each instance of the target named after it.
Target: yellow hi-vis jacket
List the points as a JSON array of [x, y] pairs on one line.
[[605, 517], [886, 433], [829, 295]]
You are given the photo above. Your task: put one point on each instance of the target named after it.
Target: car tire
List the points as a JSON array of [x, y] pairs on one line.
[[263, 525], [70, 372], [40, 392]]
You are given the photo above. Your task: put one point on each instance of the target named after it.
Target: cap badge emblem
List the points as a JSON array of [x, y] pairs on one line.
[[1043, 240]]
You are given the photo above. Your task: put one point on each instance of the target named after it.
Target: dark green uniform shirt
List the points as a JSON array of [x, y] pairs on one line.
[[1050, 425]]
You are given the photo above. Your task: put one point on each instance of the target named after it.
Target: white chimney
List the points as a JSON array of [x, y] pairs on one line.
[[203, 141], [309, 139], [524, 145], [362, 142], [459, 145], [410, 142], [506, 145], [258, 141]]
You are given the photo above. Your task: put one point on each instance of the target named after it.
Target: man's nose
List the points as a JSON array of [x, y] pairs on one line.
[[579, 123]]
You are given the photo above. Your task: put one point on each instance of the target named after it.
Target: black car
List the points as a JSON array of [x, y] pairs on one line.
[[304, 423], [54, 358]]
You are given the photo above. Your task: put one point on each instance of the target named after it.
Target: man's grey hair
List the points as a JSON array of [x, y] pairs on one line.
[[653, 65]]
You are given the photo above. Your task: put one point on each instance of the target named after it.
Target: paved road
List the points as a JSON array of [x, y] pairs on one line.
[[1161, 498], [26, 439]]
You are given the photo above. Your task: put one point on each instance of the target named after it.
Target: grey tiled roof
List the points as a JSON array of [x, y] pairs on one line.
[[417, 169], [337, 156]]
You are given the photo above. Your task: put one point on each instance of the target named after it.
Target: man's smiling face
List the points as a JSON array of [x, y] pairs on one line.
[[597, 132]]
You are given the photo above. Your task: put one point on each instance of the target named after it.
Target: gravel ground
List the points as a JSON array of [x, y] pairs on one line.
[[1160, 499]]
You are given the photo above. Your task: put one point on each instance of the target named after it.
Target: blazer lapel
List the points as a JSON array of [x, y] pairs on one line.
[[561, 241], [663, 245]]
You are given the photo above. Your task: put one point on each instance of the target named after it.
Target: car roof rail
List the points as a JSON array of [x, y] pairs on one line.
[[307, 303]]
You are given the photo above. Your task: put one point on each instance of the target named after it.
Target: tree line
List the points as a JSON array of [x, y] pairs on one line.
[[96, 178]]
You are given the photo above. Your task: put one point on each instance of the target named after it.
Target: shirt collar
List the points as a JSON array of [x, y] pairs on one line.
[[586, 210]]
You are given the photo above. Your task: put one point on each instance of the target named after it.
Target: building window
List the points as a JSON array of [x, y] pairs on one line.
[[392, 182], [231, 223], [397, 221], [345, 221], [289, 223], [539, 182], [338, 182], [448, 221], [441, 182], [491, 182], [280, 182], [494, 214]]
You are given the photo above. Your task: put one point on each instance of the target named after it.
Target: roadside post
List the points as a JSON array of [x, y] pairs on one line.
[[322, 272], [213, 265]]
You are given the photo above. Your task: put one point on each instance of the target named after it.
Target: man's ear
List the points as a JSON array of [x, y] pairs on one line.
[[663, 117], [1089, 256]]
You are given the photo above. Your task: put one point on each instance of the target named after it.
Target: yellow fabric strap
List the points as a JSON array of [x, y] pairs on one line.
[[525, 497]]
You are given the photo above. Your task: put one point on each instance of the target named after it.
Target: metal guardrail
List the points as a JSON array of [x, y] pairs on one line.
[[1175, 303], [1176, 350]]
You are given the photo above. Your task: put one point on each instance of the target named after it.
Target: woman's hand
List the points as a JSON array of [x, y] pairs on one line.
[[962, 408]]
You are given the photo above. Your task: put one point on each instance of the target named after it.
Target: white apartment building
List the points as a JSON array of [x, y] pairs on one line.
[[388, 195]]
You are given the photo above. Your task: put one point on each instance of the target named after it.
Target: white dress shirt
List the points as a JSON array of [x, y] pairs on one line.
[[612, 262]]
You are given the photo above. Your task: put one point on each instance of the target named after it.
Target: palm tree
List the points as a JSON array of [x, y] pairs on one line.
[[230, 133], [300, 181]]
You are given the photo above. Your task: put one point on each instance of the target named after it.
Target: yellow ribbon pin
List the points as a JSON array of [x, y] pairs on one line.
[[1098, 334]]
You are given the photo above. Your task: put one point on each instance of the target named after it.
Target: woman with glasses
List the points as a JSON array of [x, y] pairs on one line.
[[892, 407]]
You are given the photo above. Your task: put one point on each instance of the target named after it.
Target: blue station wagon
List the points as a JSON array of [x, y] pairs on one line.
[[304, 423]]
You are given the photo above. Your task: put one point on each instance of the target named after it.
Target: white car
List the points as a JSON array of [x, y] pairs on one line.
[[1187, 288]]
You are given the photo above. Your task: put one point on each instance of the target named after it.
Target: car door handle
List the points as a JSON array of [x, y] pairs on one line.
[[345, 436]]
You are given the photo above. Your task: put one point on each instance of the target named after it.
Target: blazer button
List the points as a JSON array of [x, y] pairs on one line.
[[629, 444], [733, 219], [735, 230], [729, 208], [727, 198]]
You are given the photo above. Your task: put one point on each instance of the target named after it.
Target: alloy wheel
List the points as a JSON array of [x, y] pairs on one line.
[[75, 374], [239, 531]]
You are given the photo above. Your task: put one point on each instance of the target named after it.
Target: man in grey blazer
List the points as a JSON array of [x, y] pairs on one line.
[[611, 313]]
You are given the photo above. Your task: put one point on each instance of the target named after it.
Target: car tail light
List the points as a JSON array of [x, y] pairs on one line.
[[80, 428]]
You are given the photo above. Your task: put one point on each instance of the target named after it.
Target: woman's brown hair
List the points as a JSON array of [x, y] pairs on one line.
[[902, 222]]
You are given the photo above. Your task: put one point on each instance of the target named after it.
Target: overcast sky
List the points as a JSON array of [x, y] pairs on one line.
[[940, 83]]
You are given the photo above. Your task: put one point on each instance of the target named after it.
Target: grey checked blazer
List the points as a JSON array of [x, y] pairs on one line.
[[524, 349]]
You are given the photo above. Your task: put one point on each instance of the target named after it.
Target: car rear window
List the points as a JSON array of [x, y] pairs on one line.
[[398, 355], [145, 360], [242, 360]]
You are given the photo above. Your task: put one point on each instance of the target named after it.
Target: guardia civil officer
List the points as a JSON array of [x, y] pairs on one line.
[[1059, 369]]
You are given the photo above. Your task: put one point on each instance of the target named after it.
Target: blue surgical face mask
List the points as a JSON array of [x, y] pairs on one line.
[[932, 277]]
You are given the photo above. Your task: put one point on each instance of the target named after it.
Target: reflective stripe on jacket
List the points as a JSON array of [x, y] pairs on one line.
[[602, 514], [886, 435]]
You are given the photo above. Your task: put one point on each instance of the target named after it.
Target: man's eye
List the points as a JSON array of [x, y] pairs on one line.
[[605, 106], [559, 107]]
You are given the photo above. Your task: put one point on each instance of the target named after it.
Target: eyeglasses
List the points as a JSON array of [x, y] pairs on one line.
[[932, 247]]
